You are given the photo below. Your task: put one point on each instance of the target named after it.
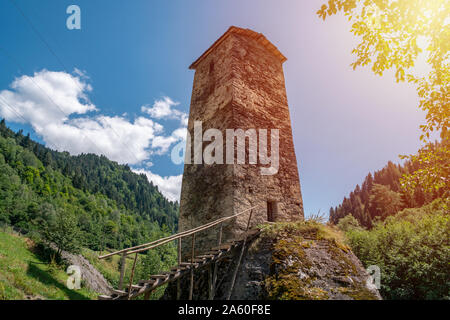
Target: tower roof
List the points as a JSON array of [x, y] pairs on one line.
[[247, 32]]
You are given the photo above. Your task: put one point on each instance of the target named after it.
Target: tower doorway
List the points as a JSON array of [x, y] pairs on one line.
[[271, 211]]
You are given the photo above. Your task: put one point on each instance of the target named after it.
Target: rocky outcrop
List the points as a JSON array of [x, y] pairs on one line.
[[292, 261], [91, 277]]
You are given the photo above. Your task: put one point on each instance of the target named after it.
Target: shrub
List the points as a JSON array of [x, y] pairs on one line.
[[412, 250]]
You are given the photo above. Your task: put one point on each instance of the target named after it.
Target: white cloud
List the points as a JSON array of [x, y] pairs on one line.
[[117, 138], [169, 186], [47, 99], [81, 73], [184, 120], [148, 164], [162, 144], [162, 109], [180, 133]]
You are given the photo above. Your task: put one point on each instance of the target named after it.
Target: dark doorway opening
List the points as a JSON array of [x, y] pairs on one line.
[[271, 211]]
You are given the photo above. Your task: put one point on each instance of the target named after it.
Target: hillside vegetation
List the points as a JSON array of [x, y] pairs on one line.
[[26, 274], [411, 248], [381, 195], [405, 234], [88, 200], [80, 204]]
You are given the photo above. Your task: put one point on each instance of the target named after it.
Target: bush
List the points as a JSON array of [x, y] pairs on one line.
[[412, 250], [348, 223]]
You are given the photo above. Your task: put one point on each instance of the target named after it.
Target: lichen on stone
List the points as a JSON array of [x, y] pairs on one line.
[[311, 261], [309, 229], [290, 261], [286, 283]]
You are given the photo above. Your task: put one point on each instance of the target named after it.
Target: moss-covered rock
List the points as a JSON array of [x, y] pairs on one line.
[[311, 261], [289, 261]]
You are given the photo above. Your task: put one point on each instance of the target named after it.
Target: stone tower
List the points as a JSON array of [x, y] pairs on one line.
[[239, 84]]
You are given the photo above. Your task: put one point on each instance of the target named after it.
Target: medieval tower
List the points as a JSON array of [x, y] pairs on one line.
[[239, 84]]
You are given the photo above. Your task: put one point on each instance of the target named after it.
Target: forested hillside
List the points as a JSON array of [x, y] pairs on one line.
[[404, 234], [90, 199], [381, 195]]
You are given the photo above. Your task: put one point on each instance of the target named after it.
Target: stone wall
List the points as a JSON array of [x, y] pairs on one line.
[[239, 85]]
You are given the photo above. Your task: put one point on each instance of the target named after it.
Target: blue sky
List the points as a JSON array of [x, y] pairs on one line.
[[131, 62]]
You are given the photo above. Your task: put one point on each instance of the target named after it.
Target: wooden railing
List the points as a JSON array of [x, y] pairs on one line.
[[179, 236]]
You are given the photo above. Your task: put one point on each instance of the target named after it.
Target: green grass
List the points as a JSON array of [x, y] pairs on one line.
[[25, 275], [108, 267], [311, 229]]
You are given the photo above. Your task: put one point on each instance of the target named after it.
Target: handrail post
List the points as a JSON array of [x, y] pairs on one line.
[[220, 234], [132, 275], [233, 280], [123, 260], [179, 265], [191, 289], [179, 251], [249, 219], [212, 288], [210, 282]]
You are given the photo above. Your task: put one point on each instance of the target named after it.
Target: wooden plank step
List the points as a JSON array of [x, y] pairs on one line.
[[119, 292], [175, 273], [199, 259], [145, 282], [188, 264], [178, 269], [203, 259], [160, 276], [206, 256], [136, 287], [226, 246], [183, 266], [218, 255], [104, 297], [213, 252]]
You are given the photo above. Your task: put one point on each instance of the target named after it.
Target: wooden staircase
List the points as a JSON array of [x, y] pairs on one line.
[[212, 256]]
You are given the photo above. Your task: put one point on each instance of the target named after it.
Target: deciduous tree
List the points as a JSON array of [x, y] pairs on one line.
[[392, 34]]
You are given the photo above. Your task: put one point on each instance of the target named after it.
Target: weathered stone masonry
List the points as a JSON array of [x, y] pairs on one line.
[[239, 83]]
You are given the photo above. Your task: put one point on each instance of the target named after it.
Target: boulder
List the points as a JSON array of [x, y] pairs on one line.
[[288, 261]]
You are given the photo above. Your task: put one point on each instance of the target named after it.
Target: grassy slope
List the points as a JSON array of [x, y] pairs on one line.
[[108, 267], [24, 275]]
